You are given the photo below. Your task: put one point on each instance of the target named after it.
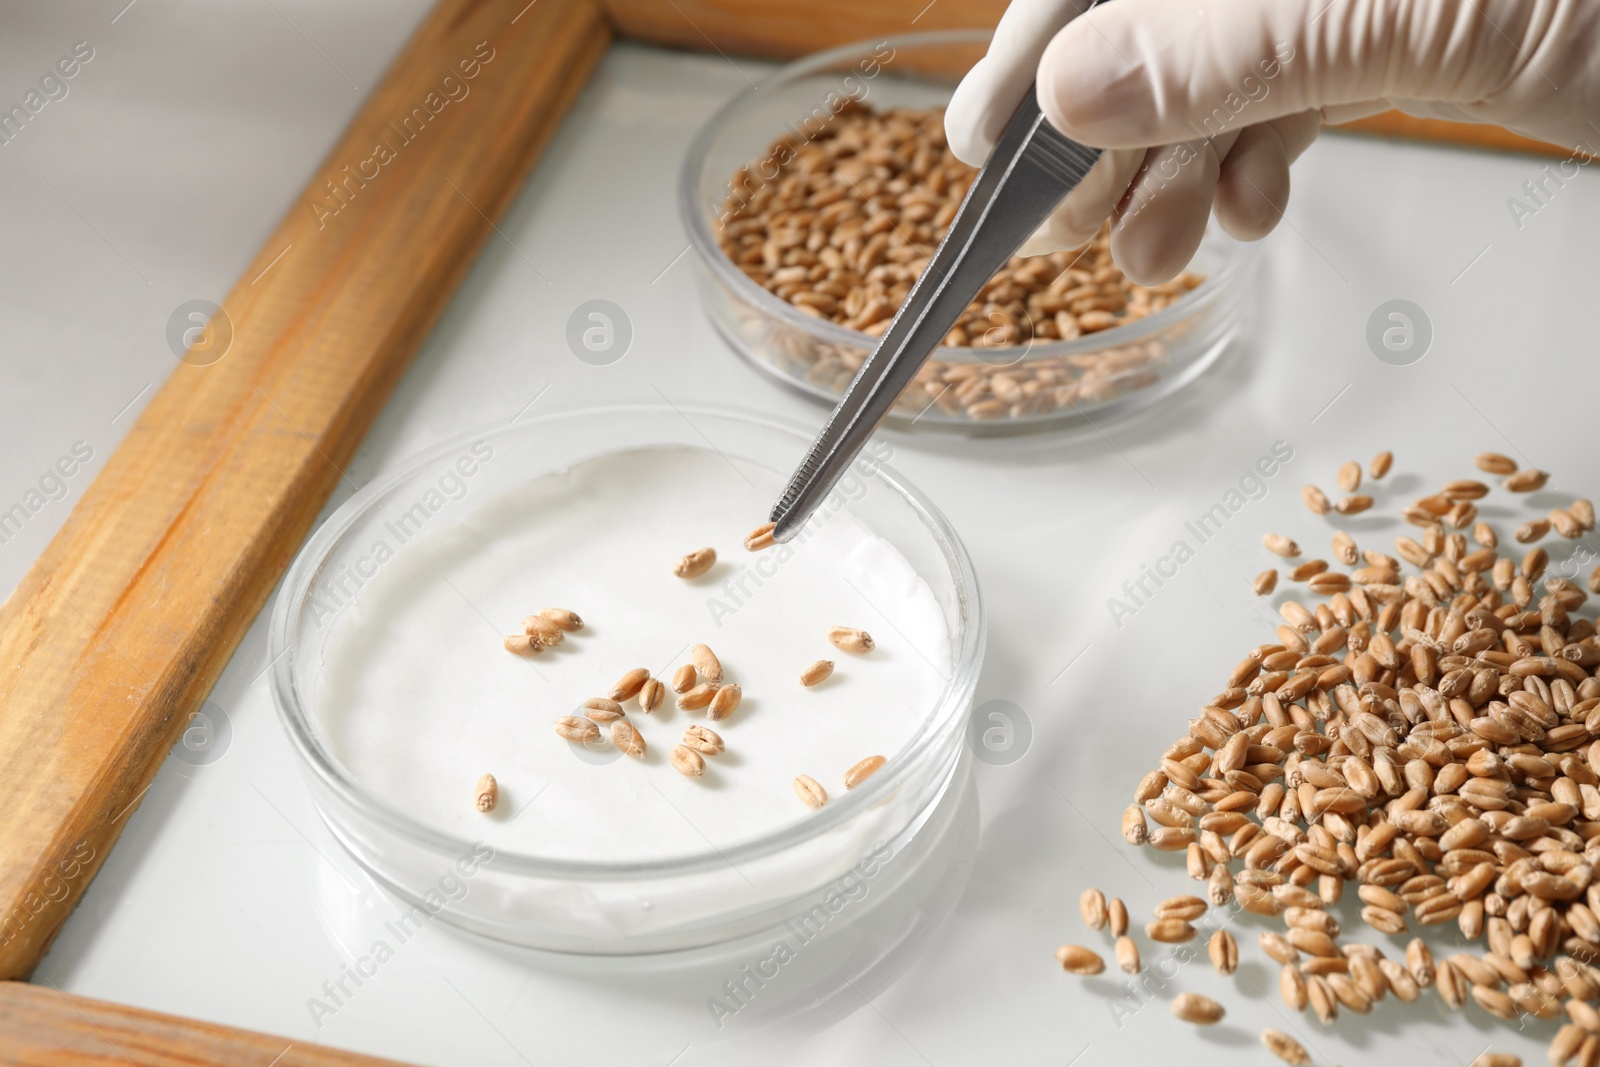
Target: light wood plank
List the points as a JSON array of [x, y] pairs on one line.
[[124, 623], [42, 1027], [1461, 134], [781, 29]]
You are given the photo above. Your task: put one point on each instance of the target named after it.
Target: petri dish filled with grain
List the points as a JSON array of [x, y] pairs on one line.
[[815, 200]]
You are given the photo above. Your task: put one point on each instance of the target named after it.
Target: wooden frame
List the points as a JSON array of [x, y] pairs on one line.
[[781, 29], [123, 624]]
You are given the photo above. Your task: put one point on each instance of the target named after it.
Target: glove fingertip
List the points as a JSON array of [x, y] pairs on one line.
[[1082, 93], [1253, 187], [968, 149], [1040, 244], [967, 117], [1245, 216], [1056, 88], [1155, 249]]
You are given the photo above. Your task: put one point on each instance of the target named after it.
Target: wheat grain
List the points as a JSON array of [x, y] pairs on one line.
[[861, 771], [1075, 959], [1194, 1008], [695, 563], [486, 793], [810, 790], [818, 672]]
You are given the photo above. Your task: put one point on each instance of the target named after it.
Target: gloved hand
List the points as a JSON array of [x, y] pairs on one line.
[[1205, 105]]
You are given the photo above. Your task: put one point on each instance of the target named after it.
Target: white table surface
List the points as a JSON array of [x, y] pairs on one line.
[[190, 132]]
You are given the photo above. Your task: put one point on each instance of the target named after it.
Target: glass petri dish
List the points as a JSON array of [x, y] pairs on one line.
[[1099, 376], [615, 907]]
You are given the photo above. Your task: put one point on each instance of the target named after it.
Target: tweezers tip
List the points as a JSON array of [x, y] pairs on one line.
[[804, 476], [782, 532]]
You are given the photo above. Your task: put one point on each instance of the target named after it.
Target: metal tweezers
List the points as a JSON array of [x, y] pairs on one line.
[[1031, 170]]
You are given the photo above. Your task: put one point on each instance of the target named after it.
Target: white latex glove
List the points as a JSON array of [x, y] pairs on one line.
[[1204, 105]]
